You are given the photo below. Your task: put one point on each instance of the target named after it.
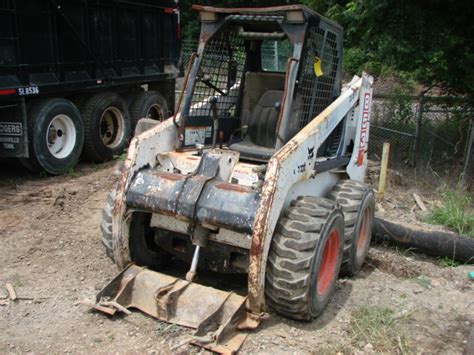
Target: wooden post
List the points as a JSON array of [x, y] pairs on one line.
[[383, 170]]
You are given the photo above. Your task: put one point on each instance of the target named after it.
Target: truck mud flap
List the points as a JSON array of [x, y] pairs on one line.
[[218, 316]]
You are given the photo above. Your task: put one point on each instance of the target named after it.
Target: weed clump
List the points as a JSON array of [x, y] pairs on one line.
[[378, 326], [456, 212]]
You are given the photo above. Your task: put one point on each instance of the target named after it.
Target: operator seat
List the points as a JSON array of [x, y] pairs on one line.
[[259, 142]]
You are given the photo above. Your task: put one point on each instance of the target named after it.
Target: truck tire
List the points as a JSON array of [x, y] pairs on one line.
[[106, 126], [56, 136], [149, 104], [305, 258], [358, 205]]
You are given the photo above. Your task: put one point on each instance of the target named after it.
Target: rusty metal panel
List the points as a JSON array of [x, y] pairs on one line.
[[156, 191], [228, 205]]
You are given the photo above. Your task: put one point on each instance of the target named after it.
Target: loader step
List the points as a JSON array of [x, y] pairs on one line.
[[216, 315]]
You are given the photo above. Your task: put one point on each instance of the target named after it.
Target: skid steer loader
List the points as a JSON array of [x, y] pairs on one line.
[[260, 172]]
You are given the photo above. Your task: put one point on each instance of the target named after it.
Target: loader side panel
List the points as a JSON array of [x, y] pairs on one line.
[[294, 163]]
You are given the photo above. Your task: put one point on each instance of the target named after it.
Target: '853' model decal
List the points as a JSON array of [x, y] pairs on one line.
[[31, 90]]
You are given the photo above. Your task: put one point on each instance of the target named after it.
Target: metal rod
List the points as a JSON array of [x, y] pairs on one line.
[[185, 84], [192, 271], [392, 130], [215, 117], [419, 117], [194, 263], [467, 158]]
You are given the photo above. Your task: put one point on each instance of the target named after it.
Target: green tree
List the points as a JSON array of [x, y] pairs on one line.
[[429, 41]]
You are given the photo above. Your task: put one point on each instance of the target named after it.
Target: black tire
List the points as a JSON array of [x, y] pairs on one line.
[[106, 126], [106, 225], [56, 136], [305, 257], [149, 104], [142, 246], [143, 251], [358, 205]]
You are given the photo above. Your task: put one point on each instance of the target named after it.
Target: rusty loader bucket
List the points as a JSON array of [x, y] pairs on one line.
[[217, 316]]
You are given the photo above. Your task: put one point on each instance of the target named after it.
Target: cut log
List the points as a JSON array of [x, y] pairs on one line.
[[437, 243]]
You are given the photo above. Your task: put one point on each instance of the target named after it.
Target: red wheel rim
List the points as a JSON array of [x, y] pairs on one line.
[[364, 233], [327, 269]]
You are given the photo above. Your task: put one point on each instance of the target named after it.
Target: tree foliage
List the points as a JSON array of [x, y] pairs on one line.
[[430, 41]]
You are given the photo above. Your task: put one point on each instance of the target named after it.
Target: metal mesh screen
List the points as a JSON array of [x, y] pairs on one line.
[[315, 92], [224, 50]]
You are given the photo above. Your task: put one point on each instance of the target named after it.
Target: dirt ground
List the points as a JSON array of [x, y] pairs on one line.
[[50, 252]]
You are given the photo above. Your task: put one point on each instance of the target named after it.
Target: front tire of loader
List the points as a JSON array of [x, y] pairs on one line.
[[106, 225], [143, 250], [305, 258], [358, 205]]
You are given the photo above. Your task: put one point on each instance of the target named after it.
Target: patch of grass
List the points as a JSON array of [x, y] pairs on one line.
[[333, 348], [448, 262], [122, 156], [17, 281], [97, 166], [171, 330], [402, 250], [456, 212], [422, 281], [378, 326], [71, 172]]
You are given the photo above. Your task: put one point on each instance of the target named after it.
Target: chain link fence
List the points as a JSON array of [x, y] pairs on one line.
[[430, 134]]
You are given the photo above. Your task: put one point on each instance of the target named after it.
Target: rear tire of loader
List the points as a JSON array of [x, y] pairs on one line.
[[358, 205], [305, 258]]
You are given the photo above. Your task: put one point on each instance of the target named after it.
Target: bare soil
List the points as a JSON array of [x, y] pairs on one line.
[[51, 253]]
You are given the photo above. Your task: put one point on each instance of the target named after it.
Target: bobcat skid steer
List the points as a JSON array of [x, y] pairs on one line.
[[260, 172]]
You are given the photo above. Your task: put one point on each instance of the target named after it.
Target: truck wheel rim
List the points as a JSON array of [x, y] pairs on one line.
[[111, 127], [61, 136], [364, 232], [327, 269], [155, 113]]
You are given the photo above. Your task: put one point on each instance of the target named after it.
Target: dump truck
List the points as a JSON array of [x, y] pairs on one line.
[[76, 75], [260, 172]]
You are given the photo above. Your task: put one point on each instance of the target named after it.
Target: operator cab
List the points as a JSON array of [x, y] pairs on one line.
[[253, 84]]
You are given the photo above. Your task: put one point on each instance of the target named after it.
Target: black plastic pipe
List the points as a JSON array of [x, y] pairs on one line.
[[437, 243]]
